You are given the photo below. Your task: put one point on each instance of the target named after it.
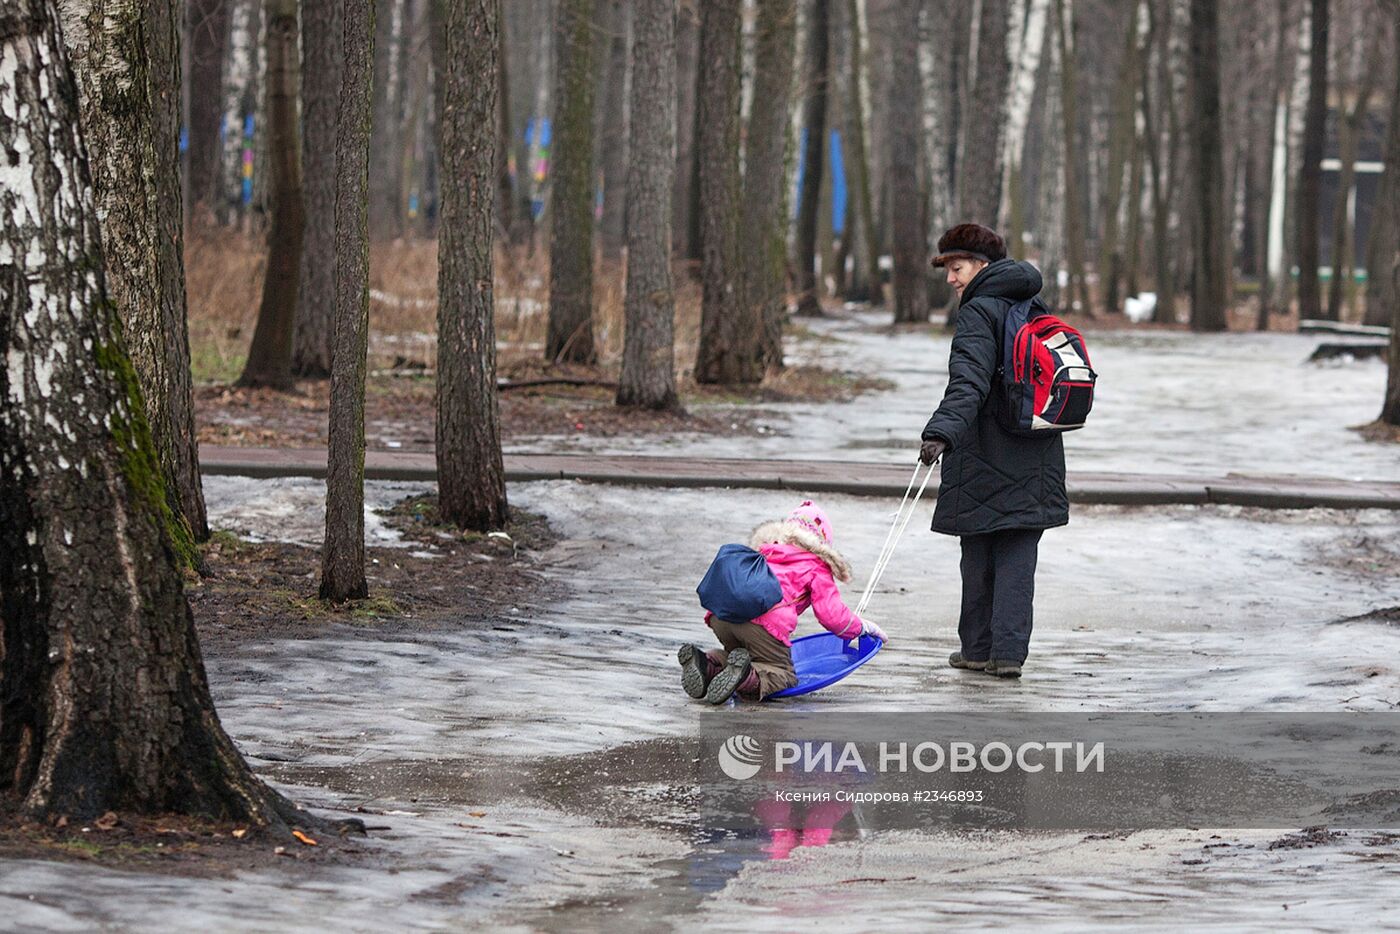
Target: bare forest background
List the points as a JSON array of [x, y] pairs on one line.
[[1066, 124]]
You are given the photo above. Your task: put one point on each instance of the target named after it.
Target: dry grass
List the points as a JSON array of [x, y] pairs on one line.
[[225, 269]]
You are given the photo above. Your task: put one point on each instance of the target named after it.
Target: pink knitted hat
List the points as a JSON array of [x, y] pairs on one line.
[[809, 514]]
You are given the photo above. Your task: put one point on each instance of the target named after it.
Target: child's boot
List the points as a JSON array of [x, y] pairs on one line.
[[697, 668], [723, 685]]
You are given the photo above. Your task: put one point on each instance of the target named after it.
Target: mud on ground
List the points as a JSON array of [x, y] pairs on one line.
[[543, 401], [267, 590]]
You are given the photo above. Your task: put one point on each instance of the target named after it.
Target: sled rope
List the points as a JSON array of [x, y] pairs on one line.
[[901, 522]]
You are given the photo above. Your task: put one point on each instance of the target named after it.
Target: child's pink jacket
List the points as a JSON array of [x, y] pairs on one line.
[[807, 569]]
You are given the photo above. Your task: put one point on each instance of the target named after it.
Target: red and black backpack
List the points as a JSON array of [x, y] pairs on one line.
[[1045, 381]]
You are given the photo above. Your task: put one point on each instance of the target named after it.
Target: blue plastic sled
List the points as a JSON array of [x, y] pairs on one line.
[[822, 659]]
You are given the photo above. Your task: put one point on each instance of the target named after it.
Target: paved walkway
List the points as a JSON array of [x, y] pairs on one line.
[[861, 479]]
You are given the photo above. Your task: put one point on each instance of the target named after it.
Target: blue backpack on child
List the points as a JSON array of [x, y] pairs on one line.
[[739, 586]]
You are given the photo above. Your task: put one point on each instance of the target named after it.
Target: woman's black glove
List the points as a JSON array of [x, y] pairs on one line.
[[931, 450]]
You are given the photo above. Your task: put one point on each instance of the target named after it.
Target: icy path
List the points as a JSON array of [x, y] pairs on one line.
[[471, 744], [1167, 402]]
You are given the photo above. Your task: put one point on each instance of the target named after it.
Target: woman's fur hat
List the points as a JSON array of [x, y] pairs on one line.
[[970, 240]]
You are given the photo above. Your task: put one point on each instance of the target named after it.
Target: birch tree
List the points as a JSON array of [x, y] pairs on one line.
[[126, 59], [104, 703], [1025, 65]]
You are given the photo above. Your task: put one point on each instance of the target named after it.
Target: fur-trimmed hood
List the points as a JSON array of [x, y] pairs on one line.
[[787, 532]]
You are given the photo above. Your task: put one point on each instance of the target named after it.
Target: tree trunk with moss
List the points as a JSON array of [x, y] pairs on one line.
[[270, 354], [816, 63], [126, 59], [764, 214], [321, 63], [570, 333], [104, 704], [471, 477], [729, 350], [343, 554], [648, 356]]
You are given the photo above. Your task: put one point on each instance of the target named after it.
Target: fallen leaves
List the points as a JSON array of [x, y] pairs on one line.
[[303, 838], [106, 821]]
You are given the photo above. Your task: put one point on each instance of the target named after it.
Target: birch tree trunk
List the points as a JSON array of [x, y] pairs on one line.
[[104, 704], [471, 478], [1310, 173], [906, 214], [321, 66], [240, 93], [270, 354], [1025, 67], [648, 356], [126, 59], [814, 106], [1210, 278], [1273, 286], [764, 214], [729, 350], [570, 337], [343, 554]]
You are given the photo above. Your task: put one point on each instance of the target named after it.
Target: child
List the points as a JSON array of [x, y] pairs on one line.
[[757, 656]]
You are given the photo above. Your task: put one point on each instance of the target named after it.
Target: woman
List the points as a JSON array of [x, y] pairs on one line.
[[999, 491]]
